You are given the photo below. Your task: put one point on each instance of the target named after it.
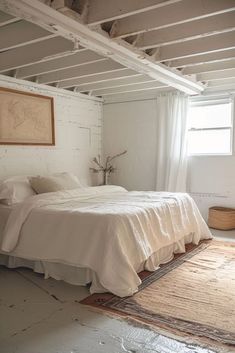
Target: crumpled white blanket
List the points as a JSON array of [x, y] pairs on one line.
[[107, 229]]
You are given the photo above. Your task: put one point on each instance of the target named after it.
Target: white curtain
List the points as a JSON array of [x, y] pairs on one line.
[[172, 111]]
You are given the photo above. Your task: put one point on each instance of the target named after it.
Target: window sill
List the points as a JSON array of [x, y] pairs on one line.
[[211, 155]]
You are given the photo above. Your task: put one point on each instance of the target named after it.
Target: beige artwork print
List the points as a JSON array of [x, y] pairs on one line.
[[24, 119]]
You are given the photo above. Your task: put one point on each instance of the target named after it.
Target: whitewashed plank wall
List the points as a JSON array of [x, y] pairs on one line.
[[78, 128]]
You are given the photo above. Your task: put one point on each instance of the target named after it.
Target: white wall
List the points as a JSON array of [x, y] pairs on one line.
[[78, 132], [212, 181], [132, 126]]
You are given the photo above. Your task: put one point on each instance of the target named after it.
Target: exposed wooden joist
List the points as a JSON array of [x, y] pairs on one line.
[[80, 58], [187, 31], [219, 65], [33, 53], [47, 89], [107, 10], [181, 12], [216, 75], [6, 19], [79, 71], [22, 33], [205, 45], [202, 59], [135, 96], [97, 40], [137, 79], [130, 88], [102, 77]]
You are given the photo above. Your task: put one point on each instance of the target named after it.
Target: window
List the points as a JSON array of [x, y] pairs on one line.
[[210, 127]]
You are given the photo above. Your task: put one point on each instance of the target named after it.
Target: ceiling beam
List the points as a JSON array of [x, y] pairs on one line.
[[107, 10], [79, 71], [102, 77], [80, 58], [180, 12], [33, 53], [204, 45], [219, 65], [120, 51], [202, 59], [126, 81], [186, 31], [129, 88], [135, 96], [22, 33], [217, 75]]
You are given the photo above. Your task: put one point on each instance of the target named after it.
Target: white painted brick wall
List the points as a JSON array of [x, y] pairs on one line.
[[78, 131]]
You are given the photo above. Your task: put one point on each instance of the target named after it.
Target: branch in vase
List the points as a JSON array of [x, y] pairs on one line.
[[117, 155]]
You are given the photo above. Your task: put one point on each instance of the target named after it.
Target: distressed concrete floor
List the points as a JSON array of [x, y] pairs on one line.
[[44, 316]]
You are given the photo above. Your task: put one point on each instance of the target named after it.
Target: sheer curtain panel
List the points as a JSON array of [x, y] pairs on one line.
[[172, 111]]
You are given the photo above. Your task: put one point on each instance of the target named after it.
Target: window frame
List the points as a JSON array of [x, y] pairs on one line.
[[206, 101]]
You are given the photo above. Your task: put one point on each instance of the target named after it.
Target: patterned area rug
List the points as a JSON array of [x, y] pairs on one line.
[[192, 297]]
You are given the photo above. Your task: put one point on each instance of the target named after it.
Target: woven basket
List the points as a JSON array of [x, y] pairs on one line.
[[222, 218]]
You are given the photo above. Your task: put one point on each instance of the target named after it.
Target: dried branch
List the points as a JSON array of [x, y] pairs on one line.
[[117, 155], [95, 160], [107, 167], [95, 170]]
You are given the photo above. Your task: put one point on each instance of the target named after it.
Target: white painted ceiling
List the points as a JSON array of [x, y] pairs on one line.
[[115, 48]]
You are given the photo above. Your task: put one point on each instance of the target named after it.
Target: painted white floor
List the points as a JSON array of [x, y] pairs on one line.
[[228, 235], [44, 316]]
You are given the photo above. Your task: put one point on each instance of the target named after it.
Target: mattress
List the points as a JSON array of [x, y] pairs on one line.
[[69, 274], [111, 233]]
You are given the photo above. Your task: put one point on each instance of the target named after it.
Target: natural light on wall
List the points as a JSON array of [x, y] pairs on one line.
[[210, 127]]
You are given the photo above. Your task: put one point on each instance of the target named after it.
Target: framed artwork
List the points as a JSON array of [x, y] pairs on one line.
[[26, 118]]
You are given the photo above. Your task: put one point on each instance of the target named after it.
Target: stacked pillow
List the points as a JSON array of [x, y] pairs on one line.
[[17, 189], [14, 190], [56, 182]]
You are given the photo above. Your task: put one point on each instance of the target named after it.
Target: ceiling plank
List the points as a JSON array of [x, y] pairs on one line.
[[217, 75], [219, 65], [90, 69], [108, 10], [202, 59], [102, 77], [186, 31], [6, 19], [80, 58], [33, 53], [180, 12], [222, 82], [205, 45], [130, 88], [126, 81], [21, 33], [119, 51]]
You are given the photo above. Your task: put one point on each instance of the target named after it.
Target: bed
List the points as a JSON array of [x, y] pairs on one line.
[[100, 235]]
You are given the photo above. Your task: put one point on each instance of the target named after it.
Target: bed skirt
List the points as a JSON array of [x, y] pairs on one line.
[[82, 276]]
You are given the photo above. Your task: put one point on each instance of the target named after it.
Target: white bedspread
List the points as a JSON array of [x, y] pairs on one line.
[[107, 229]]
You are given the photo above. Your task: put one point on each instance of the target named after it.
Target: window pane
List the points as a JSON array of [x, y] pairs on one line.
[[218, 115], [209, 142]]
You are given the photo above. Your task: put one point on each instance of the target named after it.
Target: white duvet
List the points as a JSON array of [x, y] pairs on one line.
[[113, 232]]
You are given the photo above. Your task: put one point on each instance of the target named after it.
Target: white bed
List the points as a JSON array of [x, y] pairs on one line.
[[103, 235]]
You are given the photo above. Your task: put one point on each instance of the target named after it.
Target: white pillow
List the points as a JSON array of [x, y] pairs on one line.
[[15, 189], [56, 182]]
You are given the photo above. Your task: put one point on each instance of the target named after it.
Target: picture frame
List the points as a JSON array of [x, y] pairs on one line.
[[26, 118]]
